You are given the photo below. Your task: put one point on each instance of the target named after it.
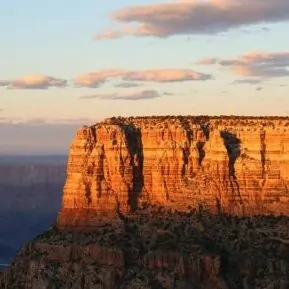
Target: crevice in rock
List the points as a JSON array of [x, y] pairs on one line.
[[186, 150], [201, 151], [93, 133], [206, 130], [263, 152], [87, 189], [134, 145], [233, 147], [100, 173]]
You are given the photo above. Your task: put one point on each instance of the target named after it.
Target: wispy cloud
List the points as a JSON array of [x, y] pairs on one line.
[[248, 81], [141, 95], [96, 79], [256, 64], [194, 17], [36, 81], [127, 84], [4, 83], [207, 61], [43, 121]]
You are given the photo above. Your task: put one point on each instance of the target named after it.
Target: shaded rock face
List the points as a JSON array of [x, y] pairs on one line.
[[236, 165]]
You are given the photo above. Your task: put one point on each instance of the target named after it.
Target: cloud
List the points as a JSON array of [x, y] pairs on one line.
[[4, 83], [207, 61], [36, 81], [114, 34], [248, 81], [141, 95], [257, 64], [194, 17], [36, 138], [127, 85], [96, 79], [166, 75], [259, 88]]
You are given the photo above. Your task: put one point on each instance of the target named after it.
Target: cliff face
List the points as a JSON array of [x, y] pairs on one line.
[[234, 165], [137, 205]]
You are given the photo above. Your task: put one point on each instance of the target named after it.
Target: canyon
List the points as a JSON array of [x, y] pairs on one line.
[[168, 202], [30, 191]]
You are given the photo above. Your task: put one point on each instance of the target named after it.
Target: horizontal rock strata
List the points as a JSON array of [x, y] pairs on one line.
[[237, 165]]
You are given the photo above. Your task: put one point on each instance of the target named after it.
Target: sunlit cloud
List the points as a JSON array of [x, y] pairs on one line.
[[248, 81], [36, 81], [207, 61], [127, 84], [96, 79], [194, 17], [141, 95], [257, 64]]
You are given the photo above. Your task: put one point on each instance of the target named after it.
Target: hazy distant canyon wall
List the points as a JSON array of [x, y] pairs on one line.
[[233, 164], [30, 200]]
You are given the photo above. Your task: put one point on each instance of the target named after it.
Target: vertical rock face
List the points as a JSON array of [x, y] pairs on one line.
[[236, 165]]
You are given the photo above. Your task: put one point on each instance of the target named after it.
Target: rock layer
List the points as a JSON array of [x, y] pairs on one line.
[[237, 165]]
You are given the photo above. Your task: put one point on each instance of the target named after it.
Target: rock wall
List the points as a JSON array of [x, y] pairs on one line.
[[238, 165]]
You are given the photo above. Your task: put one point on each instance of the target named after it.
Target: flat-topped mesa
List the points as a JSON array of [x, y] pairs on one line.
[[238, 165]]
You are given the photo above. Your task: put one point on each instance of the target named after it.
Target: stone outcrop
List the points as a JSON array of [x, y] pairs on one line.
[[168, 203], [238, 165]]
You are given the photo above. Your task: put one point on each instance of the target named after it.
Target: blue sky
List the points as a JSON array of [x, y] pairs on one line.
[[55, 56]]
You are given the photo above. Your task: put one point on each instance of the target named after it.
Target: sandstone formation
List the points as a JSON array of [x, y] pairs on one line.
[[168, 203], [238, 165]]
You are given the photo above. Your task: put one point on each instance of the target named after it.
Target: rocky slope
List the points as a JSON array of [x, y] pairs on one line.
[[158, 249], [236, 165]]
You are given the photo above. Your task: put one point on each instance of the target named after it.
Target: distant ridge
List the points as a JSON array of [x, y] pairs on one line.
[[33, 159]]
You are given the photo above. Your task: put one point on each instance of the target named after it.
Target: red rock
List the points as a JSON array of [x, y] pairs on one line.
[[236, 165]]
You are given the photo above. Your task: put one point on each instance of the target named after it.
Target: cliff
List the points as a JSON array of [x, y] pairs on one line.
[[237, 165], [168, 203]]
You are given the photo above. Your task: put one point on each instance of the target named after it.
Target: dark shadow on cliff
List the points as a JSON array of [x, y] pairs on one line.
[[233, 147], [135, 147], [200, 144]]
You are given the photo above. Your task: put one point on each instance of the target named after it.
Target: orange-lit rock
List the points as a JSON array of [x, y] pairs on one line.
[[237, 165]]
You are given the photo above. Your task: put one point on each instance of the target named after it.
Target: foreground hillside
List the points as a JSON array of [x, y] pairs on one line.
[[155, 248]]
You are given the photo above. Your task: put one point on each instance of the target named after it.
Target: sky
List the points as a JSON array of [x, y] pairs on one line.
[[65, 63]]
